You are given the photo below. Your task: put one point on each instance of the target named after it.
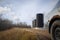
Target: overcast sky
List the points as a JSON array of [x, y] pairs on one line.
[[25, 10]]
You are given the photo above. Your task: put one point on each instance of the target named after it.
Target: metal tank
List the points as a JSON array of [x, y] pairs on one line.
[[40, 20], [34, 23]]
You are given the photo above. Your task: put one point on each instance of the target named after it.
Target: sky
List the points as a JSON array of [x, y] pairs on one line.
[[25, 10]]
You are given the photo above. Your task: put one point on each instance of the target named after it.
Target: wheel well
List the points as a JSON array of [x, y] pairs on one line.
[[51, 22]]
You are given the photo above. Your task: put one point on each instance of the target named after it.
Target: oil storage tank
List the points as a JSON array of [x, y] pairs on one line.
[[39, 20]]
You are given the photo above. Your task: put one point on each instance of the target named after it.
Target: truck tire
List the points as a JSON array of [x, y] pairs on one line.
[[55, 30]]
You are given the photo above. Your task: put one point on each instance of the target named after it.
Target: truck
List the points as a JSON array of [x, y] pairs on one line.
[[53, 18]]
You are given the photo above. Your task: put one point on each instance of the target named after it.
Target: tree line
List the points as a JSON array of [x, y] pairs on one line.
[[7, 24]]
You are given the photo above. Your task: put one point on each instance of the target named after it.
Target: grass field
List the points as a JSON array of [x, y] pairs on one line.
[[24, 34]]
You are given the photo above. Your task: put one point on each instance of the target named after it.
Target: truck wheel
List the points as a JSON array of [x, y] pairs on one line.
[[55, 30]]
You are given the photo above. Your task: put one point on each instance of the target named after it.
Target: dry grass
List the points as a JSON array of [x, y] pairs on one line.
[[24, 34]]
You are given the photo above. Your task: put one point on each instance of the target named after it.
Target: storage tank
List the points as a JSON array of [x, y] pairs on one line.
[[34, 23], [40, 20]]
